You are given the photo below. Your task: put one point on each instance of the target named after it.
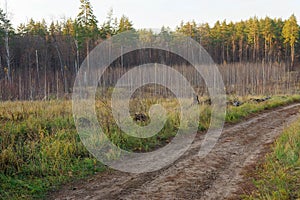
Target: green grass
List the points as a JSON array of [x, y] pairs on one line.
[[40, 148], [278, 178], [235, 114]]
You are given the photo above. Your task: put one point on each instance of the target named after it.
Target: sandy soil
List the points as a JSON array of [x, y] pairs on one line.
[[218, 176]]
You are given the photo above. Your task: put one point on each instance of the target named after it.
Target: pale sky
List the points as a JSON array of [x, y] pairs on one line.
[[154, 13]]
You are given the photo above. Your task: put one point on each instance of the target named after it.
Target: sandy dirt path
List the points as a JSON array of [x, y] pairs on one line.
[[217, 176]]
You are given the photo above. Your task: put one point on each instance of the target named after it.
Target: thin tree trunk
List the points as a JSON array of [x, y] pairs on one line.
[[0, 64], [37, 71], [7, 45], [241, 50], [254, 49], [57, 86], [292, 56], [266, 50], [77, 56], [233, 51], [20, 87], [7, 55], [61, 65], [30, 86], [45, 84]]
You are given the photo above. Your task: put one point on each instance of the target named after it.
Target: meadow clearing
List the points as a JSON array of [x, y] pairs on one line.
[[40, 147]]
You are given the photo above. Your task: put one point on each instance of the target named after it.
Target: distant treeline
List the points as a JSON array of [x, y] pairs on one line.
[[40, 60]]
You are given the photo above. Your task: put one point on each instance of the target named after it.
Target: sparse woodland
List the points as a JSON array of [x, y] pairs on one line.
[[41, 150], [39, 60]]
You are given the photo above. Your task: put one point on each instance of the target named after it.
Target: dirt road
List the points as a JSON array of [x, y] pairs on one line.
[[217, 176]]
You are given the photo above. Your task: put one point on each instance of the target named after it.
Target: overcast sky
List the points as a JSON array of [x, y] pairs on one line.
[[154, 13]]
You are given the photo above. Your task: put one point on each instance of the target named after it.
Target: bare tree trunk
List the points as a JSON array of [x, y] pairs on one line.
[[0, 64], [37, 65], [61, 66], [270, 59], [37, 71], [57, 86], [7, 46], [241, 50], [223, 52], [30, 86], [257, 49], [227, 53], [20, 87], [7, 54], [233, 51], [286, 50], [87, 54], [45, 84], [266, 51], [77, 56], [254, 49], [292, 56]]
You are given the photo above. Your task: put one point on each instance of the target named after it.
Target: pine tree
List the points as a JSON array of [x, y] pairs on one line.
[[290, 33], [69, 28], [225, 39], [5, 30], [253, 31], [86, 24], [268, 33], [2, 24], [189, 29], [108, 29], [233, 37], [217, 41], [146, 36], [125, 24], [241, 36], [278, 41], [86, 29], [204, 36]]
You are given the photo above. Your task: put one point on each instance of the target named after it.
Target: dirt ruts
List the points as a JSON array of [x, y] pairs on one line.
[[217, 176]]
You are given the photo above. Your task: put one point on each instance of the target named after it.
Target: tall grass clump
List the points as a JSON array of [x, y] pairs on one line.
[[278, 177], [39, 149]]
